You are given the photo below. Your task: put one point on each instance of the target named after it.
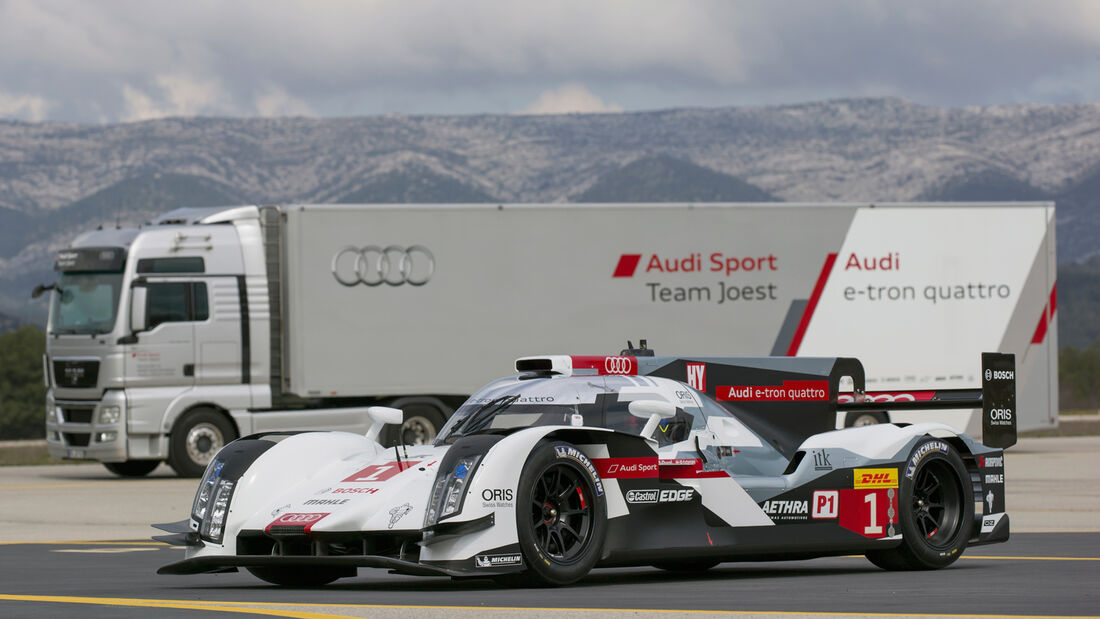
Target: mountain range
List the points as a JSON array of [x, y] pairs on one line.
[[57, 179]]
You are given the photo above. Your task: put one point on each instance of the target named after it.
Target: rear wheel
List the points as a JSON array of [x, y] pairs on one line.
[[132, 468], [299, 576], [562, 521], [936, 510], [198, 435]]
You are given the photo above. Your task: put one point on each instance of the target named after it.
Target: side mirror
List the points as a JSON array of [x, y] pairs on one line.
[[41, 288], [654, 410], [381, 416], [138, 319]]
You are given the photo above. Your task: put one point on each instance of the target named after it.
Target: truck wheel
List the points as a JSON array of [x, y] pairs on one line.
[[561, 520], [857, 420], [422, 422], [132, 468], [299, 576], [936, 510], [198, 435]]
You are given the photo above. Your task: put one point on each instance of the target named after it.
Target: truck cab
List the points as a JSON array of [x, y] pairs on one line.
[[154, 334]]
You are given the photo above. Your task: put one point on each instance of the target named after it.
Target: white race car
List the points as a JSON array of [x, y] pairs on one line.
[[583, 462]]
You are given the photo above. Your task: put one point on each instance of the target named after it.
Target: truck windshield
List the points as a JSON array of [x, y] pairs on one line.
[[85, 303]]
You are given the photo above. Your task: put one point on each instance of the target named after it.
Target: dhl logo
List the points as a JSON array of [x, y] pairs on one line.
[[875, 478]]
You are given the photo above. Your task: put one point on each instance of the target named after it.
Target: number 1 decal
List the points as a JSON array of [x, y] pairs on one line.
[[872, 529]]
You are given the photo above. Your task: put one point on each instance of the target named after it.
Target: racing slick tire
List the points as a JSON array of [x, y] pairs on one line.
[[197, 436], [936, 510], [300, 576], [561, 515], [132, 468]]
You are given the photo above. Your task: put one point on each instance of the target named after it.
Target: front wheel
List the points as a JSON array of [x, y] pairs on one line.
[[561, 514], [299, 576], [198, 435], [936, 510], [132, 468]]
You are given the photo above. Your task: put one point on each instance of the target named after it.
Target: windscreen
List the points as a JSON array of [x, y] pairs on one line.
[[85, 303]]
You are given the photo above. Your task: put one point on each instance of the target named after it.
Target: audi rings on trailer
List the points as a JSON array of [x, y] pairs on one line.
[[393, 265]]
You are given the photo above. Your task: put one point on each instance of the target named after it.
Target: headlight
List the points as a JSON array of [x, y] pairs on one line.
[[449, 490], [213, 526], [109, 414], [206, 489]]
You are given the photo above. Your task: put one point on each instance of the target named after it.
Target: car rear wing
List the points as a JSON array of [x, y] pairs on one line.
[[996, 398]]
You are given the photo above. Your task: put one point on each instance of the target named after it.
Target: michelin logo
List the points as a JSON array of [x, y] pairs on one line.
[[564, 451], [498, 560]]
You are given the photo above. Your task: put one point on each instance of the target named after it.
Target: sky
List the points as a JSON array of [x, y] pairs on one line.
[[108, 61]]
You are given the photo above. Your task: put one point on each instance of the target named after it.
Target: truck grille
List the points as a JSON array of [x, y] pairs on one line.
[[79, 374], [76, 440], [76, 415]]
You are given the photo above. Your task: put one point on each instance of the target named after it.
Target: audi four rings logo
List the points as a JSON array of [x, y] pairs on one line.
[[617, 365], [393, 265], [300, 518]]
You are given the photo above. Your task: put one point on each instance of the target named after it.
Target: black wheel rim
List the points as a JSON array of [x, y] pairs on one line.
[[937, 503], [562, 511]]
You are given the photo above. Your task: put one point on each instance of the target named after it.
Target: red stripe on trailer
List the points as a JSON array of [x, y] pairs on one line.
[[808, 313]]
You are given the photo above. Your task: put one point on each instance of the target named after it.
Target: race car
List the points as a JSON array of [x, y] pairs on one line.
[[580, 462]]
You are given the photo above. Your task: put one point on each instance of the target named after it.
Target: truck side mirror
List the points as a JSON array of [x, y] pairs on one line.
[[41, 288], [655, 410], [138, 318]]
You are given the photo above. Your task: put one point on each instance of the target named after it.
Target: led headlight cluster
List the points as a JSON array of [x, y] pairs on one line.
[[212, 502], [449, 490]]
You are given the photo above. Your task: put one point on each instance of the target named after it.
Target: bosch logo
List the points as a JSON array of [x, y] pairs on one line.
[[1000, 375], [618, 365], [393, 265]]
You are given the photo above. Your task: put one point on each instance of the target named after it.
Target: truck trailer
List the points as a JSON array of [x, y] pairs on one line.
[[168, 340]]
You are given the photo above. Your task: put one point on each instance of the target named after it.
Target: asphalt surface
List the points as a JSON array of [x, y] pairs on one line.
[[1033, 574], [1050, 567]]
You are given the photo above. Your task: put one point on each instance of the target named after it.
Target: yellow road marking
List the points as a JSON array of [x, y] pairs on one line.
[[180, 604], [76, 542], [258, 608], [1032, 558]]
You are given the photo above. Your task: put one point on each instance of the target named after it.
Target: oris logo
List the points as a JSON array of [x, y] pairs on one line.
[[1000, 375], [393, 265], [618, 365], [496, 494]]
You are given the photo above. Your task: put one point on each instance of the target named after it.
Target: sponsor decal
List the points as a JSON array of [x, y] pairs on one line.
[[821, 460], [994, 478], [887, 396], [990, 522], [875, 478], [399, 512], [715, 262], [1000, 375], [303, 520], [923, 451], [564, 451], [697, 376], [826, 504], [533, 399], [603, 365], [991, 462], [989, 500], [1000, 417], [789, 391], [497, 497], [498, 560], [380, 472], [786, 510], [326, 501], [354, 490], [655, 495]]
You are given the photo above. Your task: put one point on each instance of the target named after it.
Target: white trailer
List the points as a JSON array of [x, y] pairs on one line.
[[166, 341]]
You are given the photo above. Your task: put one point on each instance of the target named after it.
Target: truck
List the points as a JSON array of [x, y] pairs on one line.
[[167, 340]]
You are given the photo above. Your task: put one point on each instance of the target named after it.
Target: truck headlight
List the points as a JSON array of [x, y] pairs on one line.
[[110, 414], [449, 490]]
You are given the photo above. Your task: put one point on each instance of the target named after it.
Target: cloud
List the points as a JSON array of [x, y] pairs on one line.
[[130, 59], [570, 99], [23, 107]]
